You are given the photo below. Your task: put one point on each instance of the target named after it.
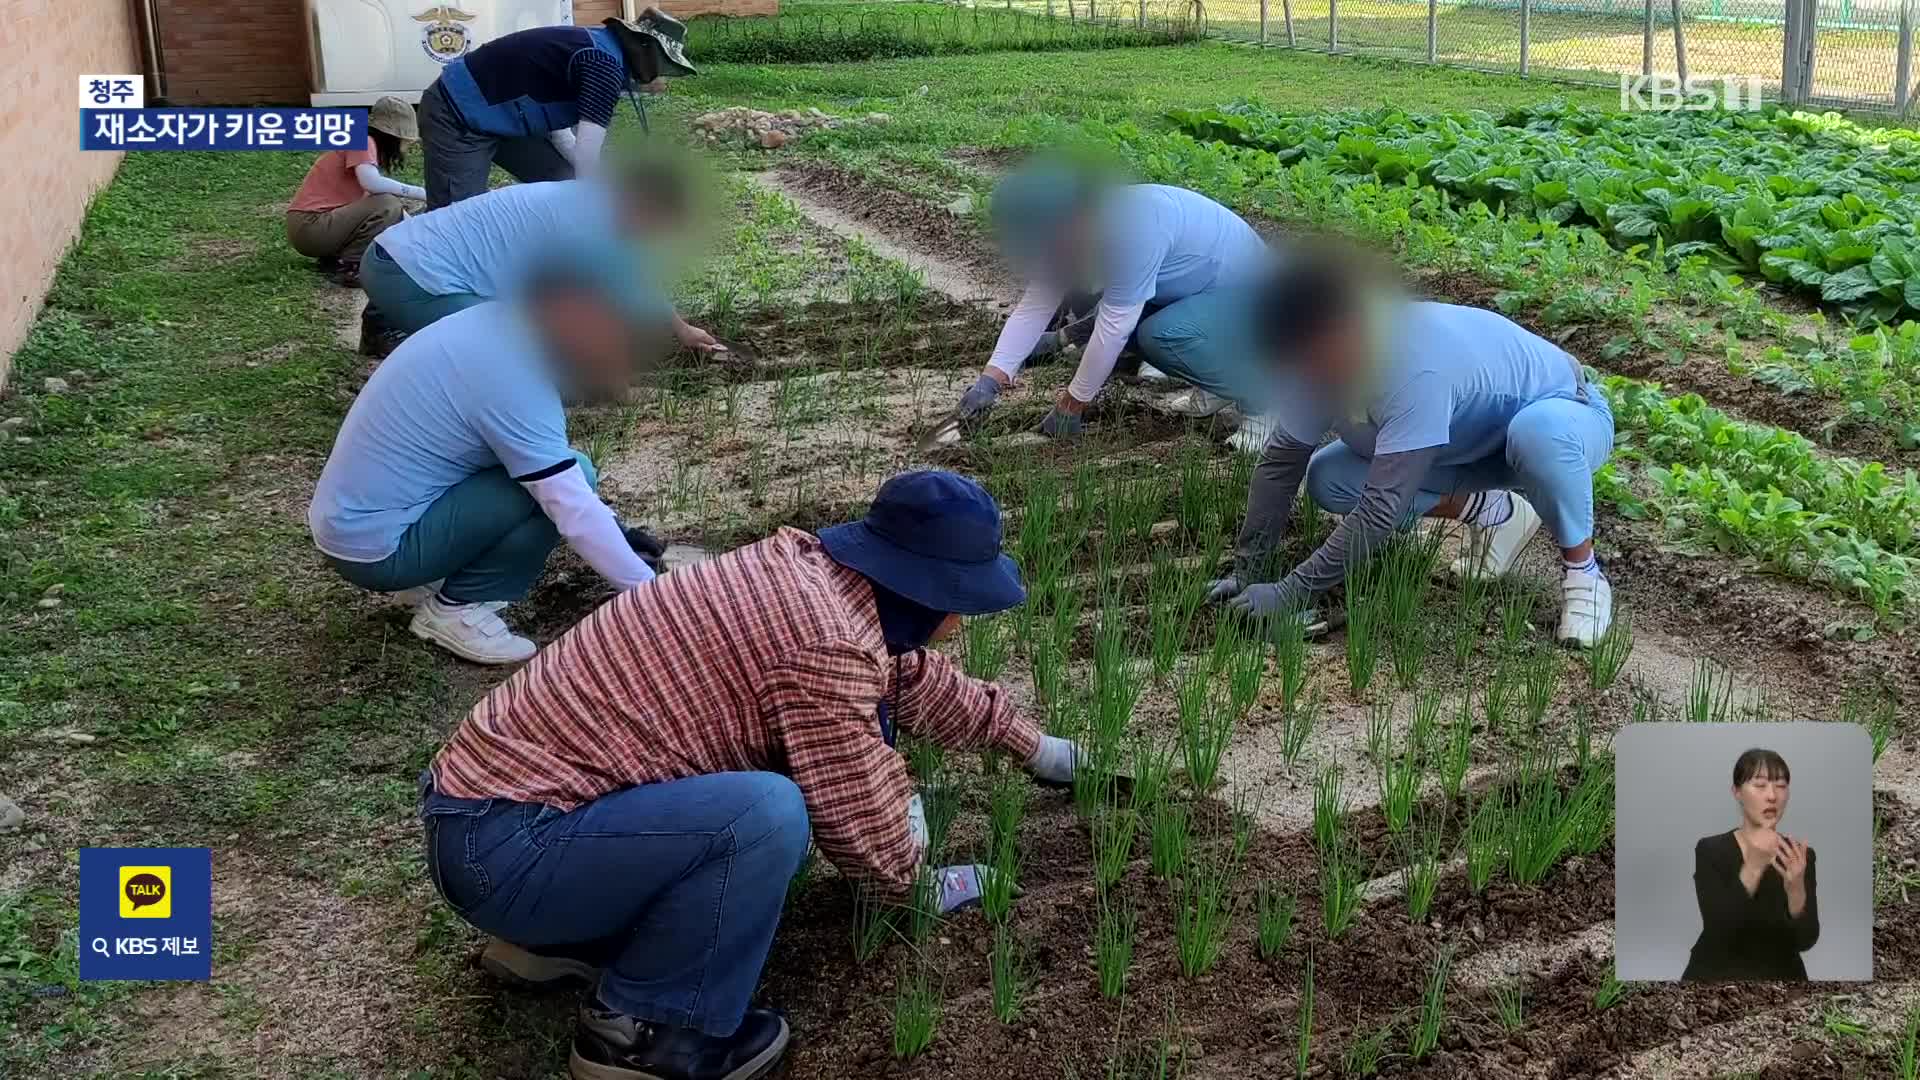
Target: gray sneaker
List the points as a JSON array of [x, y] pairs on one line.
[[510, 963]]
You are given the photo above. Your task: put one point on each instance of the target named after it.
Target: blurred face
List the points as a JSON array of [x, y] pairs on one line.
[[597, 345], [1335, 358], [655, 85], [947, 628], [1763, 800]]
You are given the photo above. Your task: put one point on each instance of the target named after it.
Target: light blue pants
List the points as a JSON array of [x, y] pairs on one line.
[[400, 301], [1553, 449], [485, 539], [1206, 340]]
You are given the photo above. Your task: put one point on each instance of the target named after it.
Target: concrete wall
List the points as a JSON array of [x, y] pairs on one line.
[[45, 45]]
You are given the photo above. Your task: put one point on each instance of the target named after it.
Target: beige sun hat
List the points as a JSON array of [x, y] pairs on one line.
[[395, 117]]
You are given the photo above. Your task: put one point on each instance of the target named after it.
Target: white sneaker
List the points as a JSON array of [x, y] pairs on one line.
[[1252, 434], [1194, 402], [1150, 373], [1586, 608], [470, 631], [1498, 548]]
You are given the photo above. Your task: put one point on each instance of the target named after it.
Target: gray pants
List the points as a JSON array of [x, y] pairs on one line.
[[345, 232], [459, 158]]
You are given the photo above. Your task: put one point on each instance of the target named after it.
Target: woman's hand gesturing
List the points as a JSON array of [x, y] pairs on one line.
[[1790, 861]]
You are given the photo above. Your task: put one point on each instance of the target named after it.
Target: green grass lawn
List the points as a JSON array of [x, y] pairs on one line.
[[242, 697]]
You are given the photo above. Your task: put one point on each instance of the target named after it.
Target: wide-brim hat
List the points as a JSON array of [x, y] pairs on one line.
[[395, 117], [934, 538], [657, 30]]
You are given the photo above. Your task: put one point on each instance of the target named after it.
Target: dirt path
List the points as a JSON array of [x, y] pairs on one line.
[[852, 215]]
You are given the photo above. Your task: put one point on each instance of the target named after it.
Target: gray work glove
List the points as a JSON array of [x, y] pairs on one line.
[[1053, 761], [977, 400], [1277, 600], [959, 887], [1059, 425], [917, 822], [1266, 600], [1223, 589]]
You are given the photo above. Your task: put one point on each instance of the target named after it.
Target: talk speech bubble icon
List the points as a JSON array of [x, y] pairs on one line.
[[145, 892]]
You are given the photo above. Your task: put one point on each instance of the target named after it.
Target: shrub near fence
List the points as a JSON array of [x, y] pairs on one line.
[[805, 35]]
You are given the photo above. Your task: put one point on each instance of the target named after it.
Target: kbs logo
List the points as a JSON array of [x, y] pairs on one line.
[[444, 36], [1670, 92], [146, 892]]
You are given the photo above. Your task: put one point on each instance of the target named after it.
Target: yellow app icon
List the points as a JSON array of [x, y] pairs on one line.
[[146, 892]]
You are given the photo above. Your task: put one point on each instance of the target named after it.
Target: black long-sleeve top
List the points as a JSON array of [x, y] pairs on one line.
[[1746, 936]]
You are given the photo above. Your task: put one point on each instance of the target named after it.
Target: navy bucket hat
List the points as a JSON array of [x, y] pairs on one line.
[[934, 538]]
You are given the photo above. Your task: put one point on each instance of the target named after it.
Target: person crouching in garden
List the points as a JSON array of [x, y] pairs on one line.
[[475, 250], [1173, 270], [452, 474], [630, 807], [347, 199], [1441, 411]]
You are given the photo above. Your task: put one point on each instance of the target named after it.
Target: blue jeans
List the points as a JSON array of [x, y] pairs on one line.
[[1553, 449], [1205, 340], [673, 889], [486, 538], [400, 301]]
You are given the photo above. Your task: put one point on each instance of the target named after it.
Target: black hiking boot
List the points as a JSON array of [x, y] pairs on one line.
[[346, 274], [612, 1046], [326, 264], [377, 339]]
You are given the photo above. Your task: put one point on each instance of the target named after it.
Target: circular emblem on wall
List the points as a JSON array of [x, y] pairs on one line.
[[444, 33]]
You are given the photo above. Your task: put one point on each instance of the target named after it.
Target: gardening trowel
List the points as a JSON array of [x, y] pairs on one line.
[[944, 432]]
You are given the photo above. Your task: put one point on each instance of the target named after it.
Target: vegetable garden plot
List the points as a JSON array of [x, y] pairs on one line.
[[1400, 839], [1340, 838]]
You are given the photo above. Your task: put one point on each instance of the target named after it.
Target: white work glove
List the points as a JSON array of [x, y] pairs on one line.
[[1053, 760], [959, 887], [917, 822]]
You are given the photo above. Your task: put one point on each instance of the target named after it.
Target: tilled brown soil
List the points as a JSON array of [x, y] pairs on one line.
[[1241, 1019]]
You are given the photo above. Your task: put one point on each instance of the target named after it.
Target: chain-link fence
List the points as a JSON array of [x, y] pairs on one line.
[[1852, 54]]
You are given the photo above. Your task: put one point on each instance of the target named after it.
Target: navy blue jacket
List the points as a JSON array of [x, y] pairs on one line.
[[528, 82]]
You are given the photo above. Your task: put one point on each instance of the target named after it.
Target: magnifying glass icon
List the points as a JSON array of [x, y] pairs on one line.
[[100, 946]]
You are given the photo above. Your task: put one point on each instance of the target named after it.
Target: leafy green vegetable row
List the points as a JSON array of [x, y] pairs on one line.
[[1766, 493], [1809, 205]]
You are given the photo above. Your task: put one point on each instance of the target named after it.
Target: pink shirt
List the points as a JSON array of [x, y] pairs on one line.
[[330, 184]]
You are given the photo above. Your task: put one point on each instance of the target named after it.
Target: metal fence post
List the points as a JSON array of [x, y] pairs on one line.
[[1286, 12], [1333, 25], [1433, 27], [1646, 43], [1790, 53], [1903, 62], [1526, 36], [1263, 22], [1809, 39], [1679, 47]]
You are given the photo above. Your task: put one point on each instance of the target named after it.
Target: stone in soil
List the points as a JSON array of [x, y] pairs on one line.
[[56, 385], [11, 816], [770, 130]]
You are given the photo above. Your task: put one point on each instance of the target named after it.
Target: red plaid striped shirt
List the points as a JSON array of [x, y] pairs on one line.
[[768, 658]]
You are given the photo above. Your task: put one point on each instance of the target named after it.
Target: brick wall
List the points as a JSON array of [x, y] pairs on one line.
[[238, 52], [44, 46], [234, 52]]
